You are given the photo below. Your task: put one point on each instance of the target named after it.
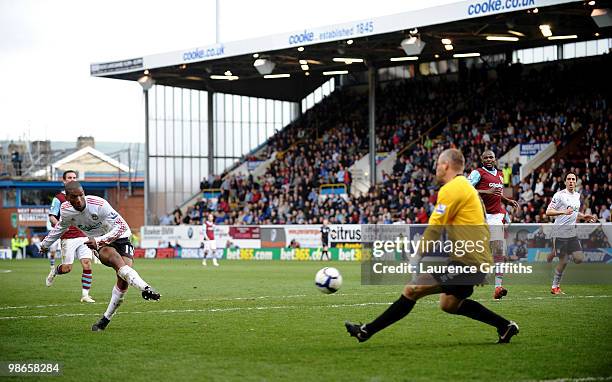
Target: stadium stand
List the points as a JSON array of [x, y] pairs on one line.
[[560, 102]]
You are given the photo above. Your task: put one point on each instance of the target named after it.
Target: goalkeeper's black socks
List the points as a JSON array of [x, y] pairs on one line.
[[477, 311], [398, 310]]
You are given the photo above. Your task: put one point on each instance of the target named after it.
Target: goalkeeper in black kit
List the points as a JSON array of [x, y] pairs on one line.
[[325, 240]]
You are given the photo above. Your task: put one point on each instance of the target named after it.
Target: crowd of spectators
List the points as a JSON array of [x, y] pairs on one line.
[[522, 112], [557, 103], [594, 178]]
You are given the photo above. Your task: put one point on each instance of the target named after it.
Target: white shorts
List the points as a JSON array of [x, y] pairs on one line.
[[210, 245], [496, 226], [75, 249], [55, 246]]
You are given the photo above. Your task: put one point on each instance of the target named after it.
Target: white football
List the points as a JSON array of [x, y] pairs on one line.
[[328, 280]]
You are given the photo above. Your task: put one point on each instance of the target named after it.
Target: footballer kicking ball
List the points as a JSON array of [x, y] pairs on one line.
[[328, 280]]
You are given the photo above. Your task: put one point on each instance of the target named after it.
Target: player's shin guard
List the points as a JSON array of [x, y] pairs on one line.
[[86, 278], [398, 310], [128, 274], [477, 311], [115, 302]]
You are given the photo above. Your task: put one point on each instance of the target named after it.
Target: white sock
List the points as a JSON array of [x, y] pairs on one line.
[[557, 279], [215, 261], [115, 302], [128, 274]]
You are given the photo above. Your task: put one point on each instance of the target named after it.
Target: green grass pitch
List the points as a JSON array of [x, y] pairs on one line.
[[265, 321]]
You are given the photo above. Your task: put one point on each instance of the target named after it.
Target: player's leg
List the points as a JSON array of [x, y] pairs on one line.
[[497, 247], [423, 286], [52, 274], [110, 257], [65, 266], [86, 279], [575, 248], [325, 252], [117, 297], [206, 249], [553, 252], [213, 252], [85, 255], [566, 247], [559, 269], [52, 254], [455, 300], [561, 246], [578, 257], [496, 227]]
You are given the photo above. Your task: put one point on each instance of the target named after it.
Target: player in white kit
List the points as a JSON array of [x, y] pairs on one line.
[[72, 245], [109, 235], [565, 207], [210, 245]]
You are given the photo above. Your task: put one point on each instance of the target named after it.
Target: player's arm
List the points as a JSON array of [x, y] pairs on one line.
[[53, 220], [474, 178], [512, 202], [114, 220], [587, 218], [554, 208], [54, 212], [553, 212], [56, 232]]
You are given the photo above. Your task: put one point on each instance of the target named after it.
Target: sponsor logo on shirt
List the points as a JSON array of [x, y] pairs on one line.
[[90, 227]]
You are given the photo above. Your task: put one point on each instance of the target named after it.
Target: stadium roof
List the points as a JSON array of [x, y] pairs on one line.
[[58, 185], [466, 23]]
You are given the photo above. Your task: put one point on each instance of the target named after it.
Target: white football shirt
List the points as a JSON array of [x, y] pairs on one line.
[[565, 225], [98, 219]]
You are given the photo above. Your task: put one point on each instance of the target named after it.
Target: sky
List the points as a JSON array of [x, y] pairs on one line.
[[46, 48]]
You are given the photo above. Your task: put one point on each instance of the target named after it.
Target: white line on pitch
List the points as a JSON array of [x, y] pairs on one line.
[[564, 297], [209, 310], [232, 309], [214, 299], [36, 306]]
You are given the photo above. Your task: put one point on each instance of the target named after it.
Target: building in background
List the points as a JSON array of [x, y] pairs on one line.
[[25, 198]]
